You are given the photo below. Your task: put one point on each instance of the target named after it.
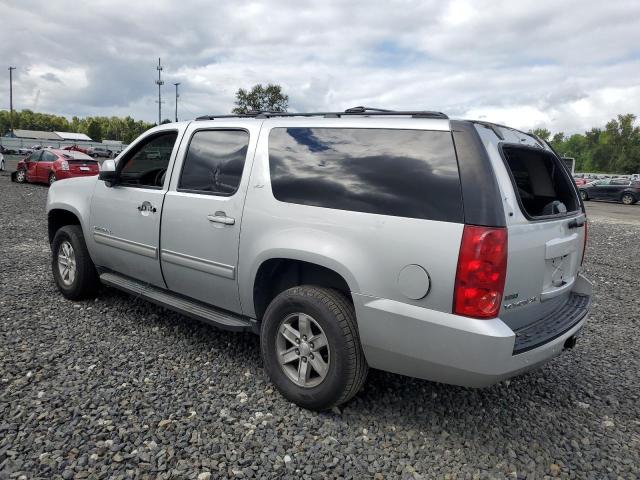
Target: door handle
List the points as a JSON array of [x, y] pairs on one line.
[[221, 217], [146, 207]]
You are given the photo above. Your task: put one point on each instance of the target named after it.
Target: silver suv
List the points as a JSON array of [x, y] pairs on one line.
[[443, 249]]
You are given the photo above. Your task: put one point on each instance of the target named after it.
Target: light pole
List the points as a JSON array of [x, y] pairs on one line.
[[159, 82], [11, 69], [176, 84]]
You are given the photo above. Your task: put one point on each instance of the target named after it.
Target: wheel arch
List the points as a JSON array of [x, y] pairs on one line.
[[278, 273], [58, 218]]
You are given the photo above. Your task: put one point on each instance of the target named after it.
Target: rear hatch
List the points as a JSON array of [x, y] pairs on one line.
[[546, 236], [83, 167]]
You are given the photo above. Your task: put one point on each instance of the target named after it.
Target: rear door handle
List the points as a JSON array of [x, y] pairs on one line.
[[221, 217]]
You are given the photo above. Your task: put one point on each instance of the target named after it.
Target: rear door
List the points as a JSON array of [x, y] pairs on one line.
[[125, 218], [546, 227], [203, 212]]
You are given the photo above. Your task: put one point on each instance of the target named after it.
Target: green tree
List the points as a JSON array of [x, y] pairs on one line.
[[543, 133], [259, 98], [94, 130]]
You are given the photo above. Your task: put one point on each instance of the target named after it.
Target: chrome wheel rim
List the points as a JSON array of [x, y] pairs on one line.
[[52, 178], [626, 199], [303, 350], [67, 263], [20, 176]]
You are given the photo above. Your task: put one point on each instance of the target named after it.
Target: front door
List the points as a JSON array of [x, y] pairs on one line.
[[31, 164], [125, 218], [202, 214]]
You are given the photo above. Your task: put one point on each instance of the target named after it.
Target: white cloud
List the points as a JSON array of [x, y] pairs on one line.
[[564, 65]]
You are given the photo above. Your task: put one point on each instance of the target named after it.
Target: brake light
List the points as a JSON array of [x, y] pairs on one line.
[[64, 165], [584, 247], [482, 268]]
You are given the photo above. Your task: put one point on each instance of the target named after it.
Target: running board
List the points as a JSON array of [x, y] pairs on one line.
[[191, 308]]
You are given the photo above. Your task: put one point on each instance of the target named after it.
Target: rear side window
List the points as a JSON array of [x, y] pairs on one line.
[[214, 163], [404, 173], [541, 183]]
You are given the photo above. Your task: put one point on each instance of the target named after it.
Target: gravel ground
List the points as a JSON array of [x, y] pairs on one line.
[[118, 388]]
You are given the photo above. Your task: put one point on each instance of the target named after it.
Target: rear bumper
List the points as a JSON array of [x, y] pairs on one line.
[[447, 348], [64, 174]]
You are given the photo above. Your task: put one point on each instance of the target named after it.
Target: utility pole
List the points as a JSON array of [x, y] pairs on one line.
[[177, 96], [160, 83], [11, 69]]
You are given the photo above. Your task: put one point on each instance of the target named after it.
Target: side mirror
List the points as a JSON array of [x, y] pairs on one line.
[[108, 173]]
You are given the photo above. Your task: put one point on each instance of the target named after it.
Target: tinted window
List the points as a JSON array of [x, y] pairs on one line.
[[35, 156], [147, 164], [405, 173], [619, 182], [214, 162]]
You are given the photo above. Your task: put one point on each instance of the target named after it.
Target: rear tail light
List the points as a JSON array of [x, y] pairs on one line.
[[482, 268], [64, 165], [584, 247]]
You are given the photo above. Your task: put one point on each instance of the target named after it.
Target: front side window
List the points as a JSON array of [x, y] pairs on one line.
[[214, 162], [404, 173], [35, 156], [147, 165]]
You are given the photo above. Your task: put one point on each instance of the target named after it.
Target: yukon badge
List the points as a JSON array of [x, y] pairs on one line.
[[521, 303]]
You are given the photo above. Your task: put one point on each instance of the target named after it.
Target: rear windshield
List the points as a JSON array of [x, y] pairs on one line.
[[404, 173], [543, 186]]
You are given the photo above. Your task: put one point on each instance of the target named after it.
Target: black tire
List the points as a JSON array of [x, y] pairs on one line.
[[86, 282], [628, 199], [52, 178], [21, 176], [335, 314], [584, 195]]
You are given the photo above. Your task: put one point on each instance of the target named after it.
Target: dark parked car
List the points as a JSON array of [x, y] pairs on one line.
[[103, 152], [614, 189]]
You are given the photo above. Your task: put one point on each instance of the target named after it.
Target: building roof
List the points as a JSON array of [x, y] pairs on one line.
[[73, 136], [36, 134]]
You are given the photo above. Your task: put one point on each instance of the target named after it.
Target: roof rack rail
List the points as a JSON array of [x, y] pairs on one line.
[[354, 111]]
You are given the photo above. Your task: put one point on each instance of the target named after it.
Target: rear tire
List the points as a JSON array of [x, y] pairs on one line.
[[628, 199], [584, 196], [80, 280], [21, 176], [333, 318], [52, 178]]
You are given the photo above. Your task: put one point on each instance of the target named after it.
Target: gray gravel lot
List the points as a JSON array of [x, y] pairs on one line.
[[118, 388]]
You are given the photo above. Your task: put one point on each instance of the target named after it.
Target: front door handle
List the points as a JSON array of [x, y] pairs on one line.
[[221, 217], [146, 208]]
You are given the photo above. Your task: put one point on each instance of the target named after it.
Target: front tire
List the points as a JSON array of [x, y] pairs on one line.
[[73, 270], [316, 375], [584, 196], [628, 199], [21, 176]]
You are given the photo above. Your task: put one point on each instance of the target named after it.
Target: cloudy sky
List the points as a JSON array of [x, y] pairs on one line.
[[564, 65]]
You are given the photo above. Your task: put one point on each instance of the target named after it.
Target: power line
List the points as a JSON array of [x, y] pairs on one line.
[[159, 82], [177, 96]]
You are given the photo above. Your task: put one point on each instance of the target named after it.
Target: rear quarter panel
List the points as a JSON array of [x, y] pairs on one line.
[[368, 250]]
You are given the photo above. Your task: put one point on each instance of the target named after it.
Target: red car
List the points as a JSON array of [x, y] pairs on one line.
[[78, 149], [49, 165], [581, 181]]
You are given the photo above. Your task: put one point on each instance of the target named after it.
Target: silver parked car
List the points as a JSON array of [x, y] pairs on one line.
[[443, 249]]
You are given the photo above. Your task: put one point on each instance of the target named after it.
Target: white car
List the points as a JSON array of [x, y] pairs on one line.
[[1, 162]]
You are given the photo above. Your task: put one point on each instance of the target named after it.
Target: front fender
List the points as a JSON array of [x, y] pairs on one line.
[[73, 195]]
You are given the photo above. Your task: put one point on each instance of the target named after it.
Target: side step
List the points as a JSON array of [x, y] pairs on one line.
[[191, 308]]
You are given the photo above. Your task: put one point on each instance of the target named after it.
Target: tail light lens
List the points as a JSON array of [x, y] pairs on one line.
[[584, 247], [482, 268], [64, 165]]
